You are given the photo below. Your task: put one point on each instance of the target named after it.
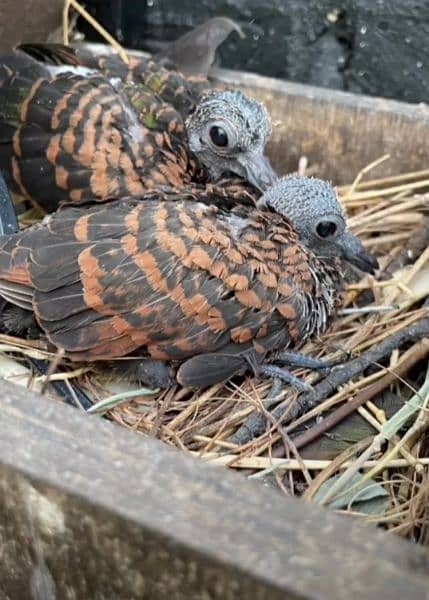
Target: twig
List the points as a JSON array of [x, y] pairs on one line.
[[342, 375], [361, 310], [363, 171], [378, 426], [256, 423], [99, 28], [358, 196], [270, 464], [62, 376], [417, 243], [373, 183], [411, 357], [162, 407], [66, 9], [71, 393], [389, 429], [288, 444], [215, 442], [52, 368], [302, 165]]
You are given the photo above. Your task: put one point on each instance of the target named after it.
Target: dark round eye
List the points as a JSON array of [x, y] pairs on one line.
[[218, 136], [326, 229]]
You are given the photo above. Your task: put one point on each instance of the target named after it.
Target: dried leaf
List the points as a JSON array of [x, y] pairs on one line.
[[370, 490]]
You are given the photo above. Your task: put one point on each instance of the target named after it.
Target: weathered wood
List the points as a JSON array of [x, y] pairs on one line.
[[89, 510], [378, 47], [32, 20], [339, 132]]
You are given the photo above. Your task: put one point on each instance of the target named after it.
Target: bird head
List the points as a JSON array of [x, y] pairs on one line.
[[227, 132], [313, 207]]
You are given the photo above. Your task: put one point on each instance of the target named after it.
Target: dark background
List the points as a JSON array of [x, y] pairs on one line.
[[376, 47]]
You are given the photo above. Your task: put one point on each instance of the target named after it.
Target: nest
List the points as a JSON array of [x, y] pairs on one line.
[[359, 443]]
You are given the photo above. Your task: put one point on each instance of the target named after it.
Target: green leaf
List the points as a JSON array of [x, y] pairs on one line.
[[368, 491], [375, 506], [112, 401]]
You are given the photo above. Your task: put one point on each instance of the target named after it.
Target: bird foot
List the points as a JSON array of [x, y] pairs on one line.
[[286, 376], [296, 359]]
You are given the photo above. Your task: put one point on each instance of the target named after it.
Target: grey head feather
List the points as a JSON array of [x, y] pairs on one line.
[[227, 132], [319, 219]]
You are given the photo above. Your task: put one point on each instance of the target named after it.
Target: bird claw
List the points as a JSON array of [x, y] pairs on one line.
[[68, 390], [286, 376], [296, 359]]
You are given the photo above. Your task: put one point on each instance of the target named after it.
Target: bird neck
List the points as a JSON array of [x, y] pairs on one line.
[[313, 281], [327, 277]]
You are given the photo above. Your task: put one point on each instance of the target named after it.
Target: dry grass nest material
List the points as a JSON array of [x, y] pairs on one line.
[[359, 443]]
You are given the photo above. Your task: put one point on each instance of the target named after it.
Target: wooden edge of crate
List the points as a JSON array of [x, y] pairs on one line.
[[339, 132], [90, 507], [318, 94]]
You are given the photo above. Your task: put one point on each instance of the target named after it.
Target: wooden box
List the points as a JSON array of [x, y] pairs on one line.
[[91, 511]]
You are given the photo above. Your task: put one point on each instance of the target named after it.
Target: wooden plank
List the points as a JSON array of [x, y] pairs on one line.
[[89, 510], [32, 20], [339, 132]]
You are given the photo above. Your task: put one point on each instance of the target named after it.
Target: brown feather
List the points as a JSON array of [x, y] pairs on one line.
[[69, 137], [128, 277]]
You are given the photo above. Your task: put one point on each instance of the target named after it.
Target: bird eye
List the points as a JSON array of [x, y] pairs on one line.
[[326, 229], [218, 136]]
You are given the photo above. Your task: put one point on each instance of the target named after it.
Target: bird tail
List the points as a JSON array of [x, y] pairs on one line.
[[53, 54], [8, 220], [18, 76], [15, 283], [37, 138], [14, 250], [14, 286]]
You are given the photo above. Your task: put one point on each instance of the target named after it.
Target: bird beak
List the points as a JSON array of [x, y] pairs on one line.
[[258, 170], [354, 252]]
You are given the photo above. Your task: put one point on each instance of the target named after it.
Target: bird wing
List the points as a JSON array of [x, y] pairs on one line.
[[171, 86], [69, 136], [194, 52], [177, 279]]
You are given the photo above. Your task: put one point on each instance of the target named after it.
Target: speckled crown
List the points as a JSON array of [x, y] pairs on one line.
[[295, 194], [234, 105]]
